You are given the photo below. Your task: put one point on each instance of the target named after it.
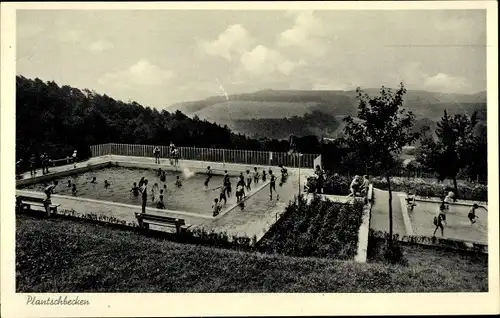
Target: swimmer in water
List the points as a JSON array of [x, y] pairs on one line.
[[163, 176], [222, 195], [264, 175], [73, 189], [165, 187], [106, 183], [93, 180], [141, 182], [135, 190], [178, 183], [69, 183]]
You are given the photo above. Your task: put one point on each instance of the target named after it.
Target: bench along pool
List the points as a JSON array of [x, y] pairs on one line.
[[191, 196]]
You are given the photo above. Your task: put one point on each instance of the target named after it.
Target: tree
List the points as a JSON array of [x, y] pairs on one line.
[[385, 127], [453, 149]]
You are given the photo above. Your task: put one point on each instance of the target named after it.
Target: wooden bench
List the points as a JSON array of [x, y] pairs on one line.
[[145, 220], [27, 202]]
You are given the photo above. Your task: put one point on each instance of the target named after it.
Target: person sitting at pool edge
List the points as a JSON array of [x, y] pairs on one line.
[[472, 214], [160, 204], [216, 207]]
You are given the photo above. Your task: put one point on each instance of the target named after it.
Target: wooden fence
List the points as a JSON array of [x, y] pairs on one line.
[[209, 154]]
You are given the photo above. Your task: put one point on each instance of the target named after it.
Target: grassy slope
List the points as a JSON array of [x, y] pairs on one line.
[[63, 256]]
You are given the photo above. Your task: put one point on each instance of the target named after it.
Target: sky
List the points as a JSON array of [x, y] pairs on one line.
[[161, 57]]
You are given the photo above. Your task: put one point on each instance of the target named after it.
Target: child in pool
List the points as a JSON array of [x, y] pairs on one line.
[[135, 190], [264, 175], [472, 213], [165, 187], [249, 181], [209, 176], [178, 183], [163, 176], [160, 204], [69, 183], [256, 176], [272, 185], [216, 207], [222, 195], [240, 192], [73, 189], [154, 191], [410, 201], [439, 218], [106, 183], [93, 180]]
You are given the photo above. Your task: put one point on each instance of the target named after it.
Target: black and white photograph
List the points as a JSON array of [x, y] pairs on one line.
[[249, 148]]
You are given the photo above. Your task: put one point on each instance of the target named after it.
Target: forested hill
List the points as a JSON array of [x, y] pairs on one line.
[[58, 119]]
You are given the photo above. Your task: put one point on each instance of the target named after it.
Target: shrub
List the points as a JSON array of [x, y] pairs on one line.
[[476, 192], [320, 229], [336, 184]]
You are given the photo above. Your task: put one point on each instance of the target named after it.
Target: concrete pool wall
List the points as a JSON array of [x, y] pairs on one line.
[[231, 220]]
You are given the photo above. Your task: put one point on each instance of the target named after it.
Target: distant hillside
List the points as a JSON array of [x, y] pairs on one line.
[[239, 111]]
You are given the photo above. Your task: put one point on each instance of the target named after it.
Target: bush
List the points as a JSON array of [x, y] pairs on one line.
[[426, 189], [320, 229], [337, 184]]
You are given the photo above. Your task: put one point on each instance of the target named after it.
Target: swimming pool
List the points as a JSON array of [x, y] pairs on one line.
[[191, 197], [459, 227]]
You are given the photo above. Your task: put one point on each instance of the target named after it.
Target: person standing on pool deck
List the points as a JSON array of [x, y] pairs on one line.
[[176, 156], [472, 213], [438, 220], [156, 153], [144, 193], [272, 185], [74, 159], [209, 176]]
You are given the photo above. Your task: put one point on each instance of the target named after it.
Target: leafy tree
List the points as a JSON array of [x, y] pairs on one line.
[[385, 128], [455, 147]]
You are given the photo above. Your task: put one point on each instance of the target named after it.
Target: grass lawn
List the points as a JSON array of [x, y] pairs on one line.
[[54, 255]]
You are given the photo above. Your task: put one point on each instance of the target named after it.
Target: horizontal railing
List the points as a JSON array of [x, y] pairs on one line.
[[209, 154]]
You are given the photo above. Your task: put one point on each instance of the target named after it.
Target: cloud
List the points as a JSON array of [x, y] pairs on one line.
[[263, 61], [99, 46], [446, 83], [234, 40], [306, 34], [414, 77], [142, 73], [28, 30]]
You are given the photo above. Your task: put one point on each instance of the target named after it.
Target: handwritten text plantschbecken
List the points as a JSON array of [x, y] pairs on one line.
[[59, 301]]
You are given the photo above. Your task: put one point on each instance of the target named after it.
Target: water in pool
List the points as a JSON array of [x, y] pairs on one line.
[[191, 197], [459, 226]]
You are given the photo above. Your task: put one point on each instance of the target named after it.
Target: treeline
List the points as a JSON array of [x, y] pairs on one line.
[[58, 119], [314, 123]]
